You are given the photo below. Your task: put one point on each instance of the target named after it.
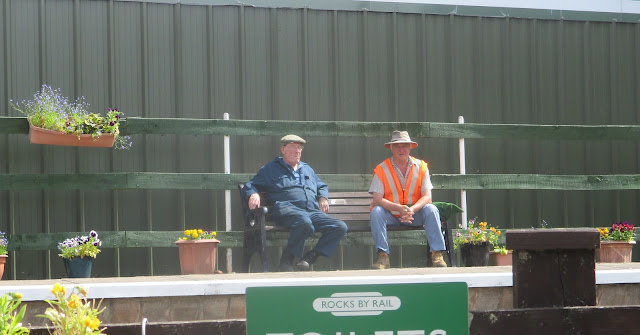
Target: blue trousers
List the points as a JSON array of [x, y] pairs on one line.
[[303, 223], [428, 216]]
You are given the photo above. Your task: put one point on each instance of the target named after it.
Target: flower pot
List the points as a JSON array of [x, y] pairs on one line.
[[615, 251], [198, 256], [498, 259], [78, 267], [475, 254], [46, 136], [3, 260]]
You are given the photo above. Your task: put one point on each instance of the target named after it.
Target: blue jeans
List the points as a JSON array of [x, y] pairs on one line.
[[303, 223], [428, 216]]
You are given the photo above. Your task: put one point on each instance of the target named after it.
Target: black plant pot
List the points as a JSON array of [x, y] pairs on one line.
[[475, 254]]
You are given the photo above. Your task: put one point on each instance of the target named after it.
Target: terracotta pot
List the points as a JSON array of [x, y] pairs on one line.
[[46, 136], [78, 267], [3, 260], [498, 259], [615, 251], [198, 256], [475, 254]]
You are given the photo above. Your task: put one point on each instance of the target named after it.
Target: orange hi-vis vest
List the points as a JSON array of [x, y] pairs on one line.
[[396, 193]]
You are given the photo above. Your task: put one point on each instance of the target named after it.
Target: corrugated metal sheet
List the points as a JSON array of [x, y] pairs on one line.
[[202, 59]]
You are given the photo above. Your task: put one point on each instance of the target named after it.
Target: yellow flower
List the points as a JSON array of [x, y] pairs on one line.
[[194, 235], [57, 288], [214, 233], [95, 323], [199, 231], [74, 301]]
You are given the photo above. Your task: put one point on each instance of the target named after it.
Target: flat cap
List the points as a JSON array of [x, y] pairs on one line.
[[291, 138]]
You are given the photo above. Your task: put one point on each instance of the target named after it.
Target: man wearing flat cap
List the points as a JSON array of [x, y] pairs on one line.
[[401, 189], [300, 203]]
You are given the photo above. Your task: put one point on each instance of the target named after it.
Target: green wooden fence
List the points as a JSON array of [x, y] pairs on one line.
[[220, 181]]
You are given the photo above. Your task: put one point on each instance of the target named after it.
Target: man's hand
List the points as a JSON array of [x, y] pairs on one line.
[[324, 205], [406, 214], [254, 201]]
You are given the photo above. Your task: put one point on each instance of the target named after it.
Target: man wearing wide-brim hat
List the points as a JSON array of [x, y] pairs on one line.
[[401, 189], [300, 204]]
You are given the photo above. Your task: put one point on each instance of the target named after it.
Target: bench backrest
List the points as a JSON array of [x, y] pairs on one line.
[[350, 206]]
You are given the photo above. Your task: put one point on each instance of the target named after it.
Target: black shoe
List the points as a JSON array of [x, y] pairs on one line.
[[305, 263], [286, 262]]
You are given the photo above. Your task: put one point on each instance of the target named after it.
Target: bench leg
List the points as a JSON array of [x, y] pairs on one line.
[[448, 242], [248, 249], [255, 239], [263, 244]]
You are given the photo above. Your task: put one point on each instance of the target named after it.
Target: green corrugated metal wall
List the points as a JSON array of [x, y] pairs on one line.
[[328, 61]]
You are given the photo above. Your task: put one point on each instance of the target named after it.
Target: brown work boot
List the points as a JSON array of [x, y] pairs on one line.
[[436, 260], [383, 261]]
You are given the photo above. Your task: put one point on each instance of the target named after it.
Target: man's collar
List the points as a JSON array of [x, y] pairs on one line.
[[412, 161], [281, 161]]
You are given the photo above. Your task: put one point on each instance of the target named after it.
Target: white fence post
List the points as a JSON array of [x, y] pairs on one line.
[[463, 193], [227, 195]]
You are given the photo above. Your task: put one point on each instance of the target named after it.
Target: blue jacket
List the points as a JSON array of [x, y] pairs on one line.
[[276, 179]]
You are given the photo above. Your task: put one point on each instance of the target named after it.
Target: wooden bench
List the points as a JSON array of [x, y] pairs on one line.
[[350, 207]]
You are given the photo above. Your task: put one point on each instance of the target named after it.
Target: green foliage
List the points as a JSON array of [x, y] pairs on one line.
[[475, 235], [80, 246], [49, 109], [4, 243], [10, 322], [199, 234], [620, 231], [73, 315]]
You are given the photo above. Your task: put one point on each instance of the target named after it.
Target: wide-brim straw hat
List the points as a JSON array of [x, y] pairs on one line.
[[400, 137]]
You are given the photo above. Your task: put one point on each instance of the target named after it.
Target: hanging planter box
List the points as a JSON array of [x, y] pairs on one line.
[[39, 135]]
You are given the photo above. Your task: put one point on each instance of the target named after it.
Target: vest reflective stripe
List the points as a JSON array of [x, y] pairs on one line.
[[412, 191], [413, 179], [389, 176]]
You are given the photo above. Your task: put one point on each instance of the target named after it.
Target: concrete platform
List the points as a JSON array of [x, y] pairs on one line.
[[221, 296]]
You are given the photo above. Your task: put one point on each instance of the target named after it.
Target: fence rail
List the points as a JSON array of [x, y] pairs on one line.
[[123, 181], [336, 182], [171, 126]]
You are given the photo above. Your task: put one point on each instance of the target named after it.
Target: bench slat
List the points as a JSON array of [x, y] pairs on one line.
[[351, 217], [350, 201], [348, 209], [335, 195]]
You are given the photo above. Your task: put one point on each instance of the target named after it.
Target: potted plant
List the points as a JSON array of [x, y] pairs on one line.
[[198, 252], [4, 243], [73, 314], [500, 256], [616, 243], [10, 321], [475, 242], [55, 120], [78, 253]]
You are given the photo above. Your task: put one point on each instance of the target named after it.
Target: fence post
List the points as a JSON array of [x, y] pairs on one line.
[[463, 170], [227, 195]]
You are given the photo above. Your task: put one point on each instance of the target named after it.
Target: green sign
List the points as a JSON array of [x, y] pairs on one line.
[[389, 309]]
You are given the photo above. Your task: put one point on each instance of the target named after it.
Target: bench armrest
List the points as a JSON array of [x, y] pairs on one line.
[[447, 209]]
